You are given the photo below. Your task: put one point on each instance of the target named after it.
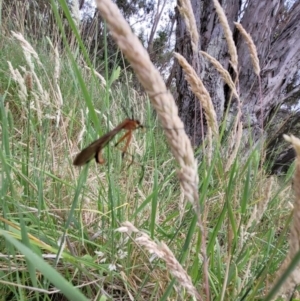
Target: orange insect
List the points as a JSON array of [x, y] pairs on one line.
[[95, 148]]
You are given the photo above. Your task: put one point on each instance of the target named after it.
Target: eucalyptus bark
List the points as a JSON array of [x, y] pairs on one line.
[[275, 30], [212, 41]]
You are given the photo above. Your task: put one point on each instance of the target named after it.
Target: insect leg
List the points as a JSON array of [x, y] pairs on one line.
[[127, 136]]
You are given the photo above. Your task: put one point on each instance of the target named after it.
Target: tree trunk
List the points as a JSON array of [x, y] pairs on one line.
[[187, 103], [212, 41], [275, 31]]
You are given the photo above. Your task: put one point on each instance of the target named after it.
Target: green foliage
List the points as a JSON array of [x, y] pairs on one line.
[[135, 8]]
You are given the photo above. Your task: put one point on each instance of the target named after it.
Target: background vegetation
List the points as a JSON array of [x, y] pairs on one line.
[[65, 230]]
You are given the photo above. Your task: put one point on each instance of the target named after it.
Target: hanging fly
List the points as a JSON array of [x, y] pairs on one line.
[[94, 150]]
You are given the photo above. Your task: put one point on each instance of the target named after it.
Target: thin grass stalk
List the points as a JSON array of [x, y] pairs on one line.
[[236, 135], [224, 287], [56, 75], [236, 139], [209, 145], [28, 82]]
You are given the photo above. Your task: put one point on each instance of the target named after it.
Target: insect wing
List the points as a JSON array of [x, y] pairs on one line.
[[93, 151]]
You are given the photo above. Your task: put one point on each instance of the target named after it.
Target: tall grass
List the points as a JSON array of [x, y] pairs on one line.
[[114, 232]]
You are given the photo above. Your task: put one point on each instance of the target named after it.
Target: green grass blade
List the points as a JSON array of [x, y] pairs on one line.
[[60, 282]]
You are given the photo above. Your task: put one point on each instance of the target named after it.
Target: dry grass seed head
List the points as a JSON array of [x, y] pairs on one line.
[[29, 52], [101, 78], [28, 81], [228, 35], [251, 46], [200, 91], [163, 252], [75, 12], [27, 48], [18, 78], [186, 11], [224, 73]]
